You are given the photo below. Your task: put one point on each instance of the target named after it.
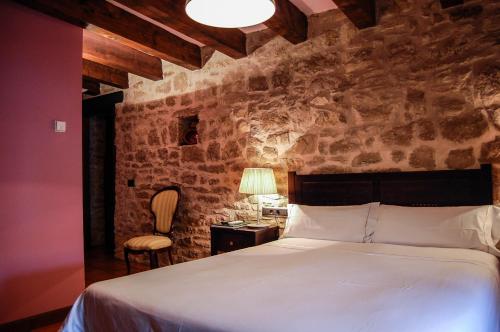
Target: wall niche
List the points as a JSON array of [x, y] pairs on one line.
[[188, 130]]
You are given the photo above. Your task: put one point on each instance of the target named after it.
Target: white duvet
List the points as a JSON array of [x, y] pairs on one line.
[[303, 285]]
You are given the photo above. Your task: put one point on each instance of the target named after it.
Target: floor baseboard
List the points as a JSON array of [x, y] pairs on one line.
[[29, 323]]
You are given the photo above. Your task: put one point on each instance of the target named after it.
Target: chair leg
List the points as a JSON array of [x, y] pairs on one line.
[[151, 259], [169, 252], [127, 262], [157, 263]]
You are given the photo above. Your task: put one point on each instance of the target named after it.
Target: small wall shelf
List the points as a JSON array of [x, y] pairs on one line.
[[188, 130]]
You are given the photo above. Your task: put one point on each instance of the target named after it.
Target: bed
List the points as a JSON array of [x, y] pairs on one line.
[[304, 284]]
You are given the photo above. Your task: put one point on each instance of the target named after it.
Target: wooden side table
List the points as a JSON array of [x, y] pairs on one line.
[[225, 239]]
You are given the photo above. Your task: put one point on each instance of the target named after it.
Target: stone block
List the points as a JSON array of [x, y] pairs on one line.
[[463, 127], [398, 156], [425, 130], [401, 135], [231, 150], [213, 151], [191, 153], [258, 83], [306, 144], [423, 157], [216, 169], [490, 151], [460, 158], [343, 146]]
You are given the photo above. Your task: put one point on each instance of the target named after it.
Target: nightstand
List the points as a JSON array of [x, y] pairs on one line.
[[225, 239]]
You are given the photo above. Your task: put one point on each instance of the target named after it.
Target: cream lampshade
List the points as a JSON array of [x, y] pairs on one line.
[[258, 181]]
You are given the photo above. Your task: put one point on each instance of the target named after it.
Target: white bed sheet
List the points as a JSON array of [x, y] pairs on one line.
[[303, 285]]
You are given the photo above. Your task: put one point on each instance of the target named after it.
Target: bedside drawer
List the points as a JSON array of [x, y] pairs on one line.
[[227, 241]]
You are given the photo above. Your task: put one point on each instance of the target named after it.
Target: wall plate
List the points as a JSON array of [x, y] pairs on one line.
[[59, 126]]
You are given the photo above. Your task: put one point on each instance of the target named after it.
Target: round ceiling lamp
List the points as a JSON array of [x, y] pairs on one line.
[[230, 13]]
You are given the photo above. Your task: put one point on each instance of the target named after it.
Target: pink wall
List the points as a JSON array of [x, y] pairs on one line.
[[41, 233]]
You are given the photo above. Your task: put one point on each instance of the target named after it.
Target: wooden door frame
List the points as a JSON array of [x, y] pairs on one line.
[[100, 106]]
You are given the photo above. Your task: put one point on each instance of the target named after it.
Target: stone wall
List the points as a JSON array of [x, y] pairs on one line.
[[419, 91]]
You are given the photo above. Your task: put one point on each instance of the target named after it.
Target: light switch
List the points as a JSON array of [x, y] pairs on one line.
[[60, 126]]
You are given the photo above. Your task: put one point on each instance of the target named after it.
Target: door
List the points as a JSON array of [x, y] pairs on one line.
[[99, 159]]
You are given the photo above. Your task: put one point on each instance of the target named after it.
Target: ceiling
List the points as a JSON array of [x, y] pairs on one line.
[[134, 36], [308, 7]]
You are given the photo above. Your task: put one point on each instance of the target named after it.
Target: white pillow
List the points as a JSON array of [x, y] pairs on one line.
[[495, 225], [339, 223], [467, 227]]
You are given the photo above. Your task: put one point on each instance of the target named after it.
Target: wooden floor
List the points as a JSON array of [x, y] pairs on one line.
[[49, 328], [99, 266]]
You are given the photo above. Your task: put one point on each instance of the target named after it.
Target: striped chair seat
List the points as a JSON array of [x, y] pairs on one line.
[[148, 242]]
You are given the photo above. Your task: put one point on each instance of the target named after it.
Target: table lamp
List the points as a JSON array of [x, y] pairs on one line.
[[258, 181]]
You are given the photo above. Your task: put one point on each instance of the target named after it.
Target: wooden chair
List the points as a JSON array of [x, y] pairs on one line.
[[163, 207]]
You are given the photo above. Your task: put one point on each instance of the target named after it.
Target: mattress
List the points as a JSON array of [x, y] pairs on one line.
[[303, 285]]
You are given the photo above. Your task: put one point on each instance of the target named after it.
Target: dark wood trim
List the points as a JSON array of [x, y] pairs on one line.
[[87, 233], [29, 323], [433, 188], [93, 87], [109, 182], [292, 196], [97, 104]]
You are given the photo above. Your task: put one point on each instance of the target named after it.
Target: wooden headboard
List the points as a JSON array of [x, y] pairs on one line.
[[434, 188]]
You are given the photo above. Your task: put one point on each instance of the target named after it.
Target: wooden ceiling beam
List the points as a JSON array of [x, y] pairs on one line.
[[104, 74], [361, 12], [206, 52], [172, 14], [139, 33], [257, 39], [109, 53], [289, 22], [91, 87]]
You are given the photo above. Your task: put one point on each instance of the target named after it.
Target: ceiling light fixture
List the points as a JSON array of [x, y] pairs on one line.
[[230, 13]]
